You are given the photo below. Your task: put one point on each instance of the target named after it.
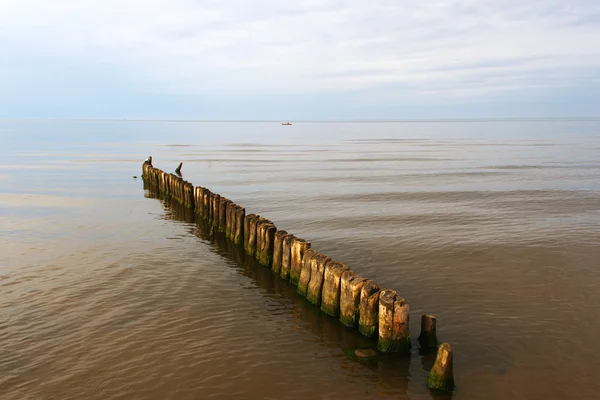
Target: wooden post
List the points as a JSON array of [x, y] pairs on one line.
[[277, 251], [315, 286], [441, 377], [351, 286], [310, 256], [299, 246], [250, 233], [369, 309], [394, 333], [267, 233], [240, 216], [330, 298], [216, 199], [223, 206], [428, 337], [286, 256]]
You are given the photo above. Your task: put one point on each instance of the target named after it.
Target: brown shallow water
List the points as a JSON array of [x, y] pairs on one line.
[[108, 292]]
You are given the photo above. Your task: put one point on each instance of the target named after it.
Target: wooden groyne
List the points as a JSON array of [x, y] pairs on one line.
[[359, 303]]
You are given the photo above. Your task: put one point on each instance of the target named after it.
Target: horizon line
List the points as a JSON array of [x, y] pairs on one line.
[[373, 120]]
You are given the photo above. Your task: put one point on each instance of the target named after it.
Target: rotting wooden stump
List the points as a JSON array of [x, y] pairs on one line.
[[428, 337], [286, 256], [369, 309], [310, 256], [350, 288], [277, 251], [441, 377], [317, 273], [299, 246], [330, 296], [394, 333]]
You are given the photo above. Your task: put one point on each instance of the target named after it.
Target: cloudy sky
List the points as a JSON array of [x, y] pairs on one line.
[[311, 59]]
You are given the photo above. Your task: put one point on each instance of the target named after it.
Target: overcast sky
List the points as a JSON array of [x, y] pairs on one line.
[[312, 59]]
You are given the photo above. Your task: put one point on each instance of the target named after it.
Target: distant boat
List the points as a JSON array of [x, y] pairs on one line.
[[285, 123]]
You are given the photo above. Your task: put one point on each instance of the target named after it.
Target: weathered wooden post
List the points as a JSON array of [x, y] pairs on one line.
[[277, 251], [286, 256], [216, 199], [369, 309], [441, 377], [428, 337], [351, 286], [330, 298], [310, 256], [299, 246], [266, 231], [394, 333], [315, 286], [206, 204], [239, 217], [250, 233], [223, 205]]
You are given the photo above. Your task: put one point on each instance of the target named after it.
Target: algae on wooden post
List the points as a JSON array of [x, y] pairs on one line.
[[369, 309], [394, 334], [310, 256], [286, 256], [315, 285], [441, 377], [428, 337], [330, 297], [350, 288], [277, 251], [299, 246]]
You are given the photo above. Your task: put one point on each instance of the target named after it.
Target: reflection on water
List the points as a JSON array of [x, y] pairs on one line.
[[492, 227]]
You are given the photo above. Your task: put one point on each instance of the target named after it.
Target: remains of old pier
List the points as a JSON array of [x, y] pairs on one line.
[[332, 286]]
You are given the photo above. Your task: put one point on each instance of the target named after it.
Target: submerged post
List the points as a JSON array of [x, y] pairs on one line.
[[317, 273], [310, 256], [428, 337], [286, 256], [441, 377]]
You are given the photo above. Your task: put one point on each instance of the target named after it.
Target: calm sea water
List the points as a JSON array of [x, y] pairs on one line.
[[107, 292]]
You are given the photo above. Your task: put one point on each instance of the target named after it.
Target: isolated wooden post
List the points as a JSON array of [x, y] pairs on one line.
[[277, 251], [330, 297], [428, 337], [315, 286], [310, 256], [286, 256], [240, 216], [369, 309], [299, 246], [394, 333], [441, 377], [351, 286]]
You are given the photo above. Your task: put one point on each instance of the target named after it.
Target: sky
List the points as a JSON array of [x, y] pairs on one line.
[[311, 59]]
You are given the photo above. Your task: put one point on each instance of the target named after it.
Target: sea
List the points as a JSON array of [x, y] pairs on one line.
[[108, 291]]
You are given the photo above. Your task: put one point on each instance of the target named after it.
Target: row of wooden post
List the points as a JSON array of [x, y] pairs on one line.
[[358, 302]]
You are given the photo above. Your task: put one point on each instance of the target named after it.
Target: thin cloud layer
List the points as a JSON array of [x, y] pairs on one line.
[[388, 50]]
